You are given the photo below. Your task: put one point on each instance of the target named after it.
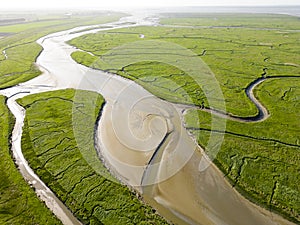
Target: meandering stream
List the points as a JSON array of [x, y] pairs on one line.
[[141, 139]]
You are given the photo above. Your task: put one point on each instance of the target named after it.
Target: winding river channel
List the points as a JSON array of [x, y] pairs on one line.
[[141, 140]]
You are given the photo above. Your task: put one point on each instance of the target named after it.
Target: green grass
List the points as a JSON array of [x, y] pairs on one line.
[[22, 50], [58, 142], [18, 202], [281, 98], [235, 56], [272, 21], [16, 28], [19, 66], [260, 159]]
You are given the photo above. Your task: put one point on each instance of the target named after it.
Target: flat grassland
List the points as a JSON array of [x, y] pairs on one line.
[[71, 174], [19, 50], [261, 159], [18, 202], [58, 141]]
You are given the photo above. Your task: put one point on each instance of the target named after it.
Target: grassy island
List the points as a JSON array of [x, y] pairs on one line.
[[260, 158]]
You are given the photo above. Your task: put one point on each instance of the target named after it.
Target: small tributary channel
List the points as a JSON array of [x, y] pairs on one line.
[[141, 140]]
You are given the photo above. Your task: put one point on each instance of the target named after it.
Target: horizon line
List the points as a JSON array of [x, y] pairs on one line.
[[142, 7]]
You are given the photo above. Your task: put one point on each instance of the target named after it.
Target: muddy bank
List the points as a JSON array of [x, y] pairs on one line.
[[142, 141], [43, 192]]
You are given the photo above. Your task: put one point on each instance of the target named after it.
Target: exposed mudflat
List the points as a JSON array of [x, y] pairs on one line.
[[142, 141]]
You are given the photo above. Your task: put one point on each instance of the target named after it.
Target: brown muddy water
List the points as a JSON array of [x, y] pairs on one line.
[[142, 141]]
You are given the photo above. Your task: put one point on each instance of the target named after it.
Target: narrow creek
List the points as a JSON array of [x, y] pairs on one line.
[[262, 112], [141, 139]]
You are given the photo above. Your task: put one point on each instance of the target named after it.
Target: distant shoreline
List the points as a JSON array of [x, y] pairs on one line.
[[292, 10], [284, 10]]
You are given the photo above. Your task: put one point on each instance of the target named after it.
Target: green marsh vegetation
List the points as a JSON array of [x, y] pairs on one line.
[[271, 21], [49, 123], [236, 56], [21, 49], [50, 146], [261, 159], [18, 202]]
